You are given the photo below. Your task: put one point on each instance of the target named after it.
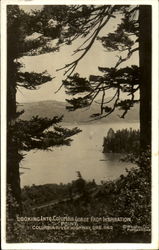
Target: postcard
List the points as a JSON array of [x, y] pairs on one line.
[[79, 124]]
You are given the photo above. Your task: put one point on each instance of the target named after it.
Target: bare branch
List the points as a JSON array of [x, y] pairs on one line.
[[109, 100], [121, 60], [94, 97], [102, 102], [130, 105], [58, 89], [71, 66], [111, 111], [134, 9], [79, 48]]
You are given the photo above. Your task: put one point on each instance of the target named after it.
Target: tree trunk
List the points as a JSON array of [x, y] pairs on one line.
[[145, 55], [13, 156], [13, 178]]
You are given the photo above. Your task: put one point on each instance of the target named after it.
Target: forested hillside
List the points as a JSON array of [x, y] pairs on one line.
[[51, 108]]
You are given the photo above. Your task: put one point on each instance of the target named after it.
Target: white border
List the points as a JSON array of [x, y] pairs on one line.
[[155, 135]]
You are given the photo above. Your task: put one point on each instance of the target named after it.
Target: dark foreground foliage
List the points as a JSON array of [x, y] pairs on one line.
[[127, 197]]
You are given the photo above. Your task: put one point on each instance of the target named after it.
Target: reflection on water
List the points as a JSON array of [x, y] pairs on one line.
[[84, 155]]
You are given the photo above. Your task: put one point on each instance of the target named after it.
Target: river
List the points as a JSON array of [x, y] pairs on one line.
[[84, 155]]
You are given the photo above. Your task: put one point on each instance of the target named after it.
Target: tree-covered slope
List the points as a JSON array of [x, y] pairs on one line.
[[51, 108]]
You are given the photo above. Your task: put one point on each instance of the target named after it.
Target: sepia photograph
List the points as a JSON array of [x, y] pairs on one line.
[[79, 131]]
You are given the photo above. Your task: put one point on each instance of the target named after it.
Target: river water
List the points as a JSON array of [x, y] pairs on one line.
[[84, 155]]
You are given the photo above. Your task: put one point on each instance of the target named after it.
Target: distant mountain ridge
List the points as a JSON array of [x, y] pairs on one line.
[[51, 108]]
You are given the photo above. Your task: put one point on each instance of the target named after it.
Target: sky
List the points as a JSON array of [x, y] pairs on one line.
[[97, 56]]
